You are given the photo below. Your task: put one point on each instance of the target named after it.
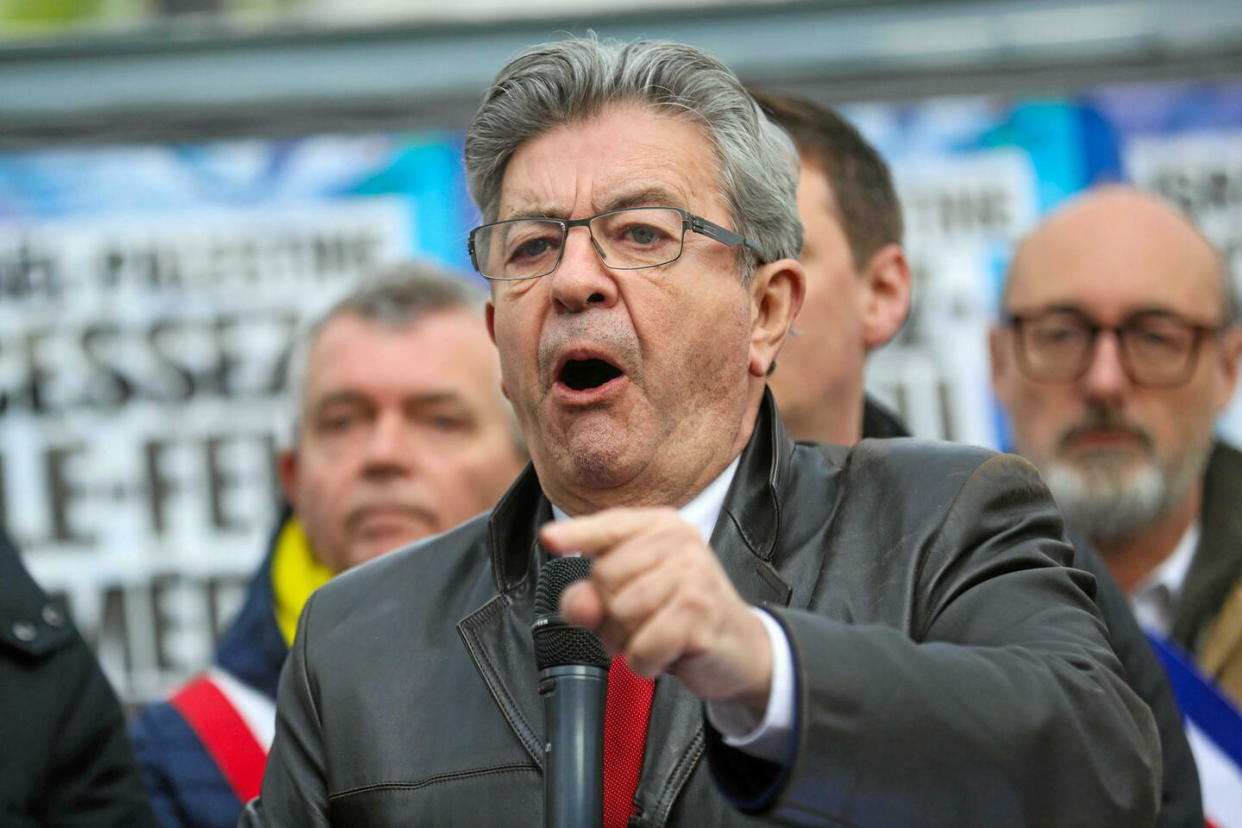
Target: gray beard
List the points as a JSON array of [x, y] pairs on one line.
[[1108, 500]]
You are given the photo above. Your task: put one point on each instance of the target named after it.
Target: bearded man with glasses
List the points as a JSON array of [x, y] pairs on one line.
[[1118, 348]]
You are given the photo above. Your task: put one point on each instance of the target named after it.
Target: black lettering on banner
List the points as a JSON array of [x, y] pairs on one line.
[[228, 359], [111, 266], [963, 213], [1199, 191], [159, 486], [28, 271], [219, 482], [63, 492], [162, 622], [118, 390], [183, 385], [38, 377]]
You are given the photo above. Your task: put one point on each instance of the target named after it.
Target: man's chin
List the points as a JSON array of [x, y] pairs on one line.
[[589, 462], [1110, 498], [593, 450]]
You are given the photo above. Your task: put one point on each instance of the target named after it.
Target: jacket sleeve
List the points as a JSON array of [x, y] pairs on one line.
[[1000, 704], [294, 792], [1181, 801]]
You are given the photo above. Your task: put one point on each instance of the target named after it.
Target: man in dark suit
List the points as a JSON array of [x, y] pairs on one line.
[[877, 636], [1117, 349], [857, 296]]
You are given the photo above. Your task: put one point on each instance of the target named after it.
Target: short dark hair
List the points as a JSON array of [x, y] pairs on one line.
[[861, 184]]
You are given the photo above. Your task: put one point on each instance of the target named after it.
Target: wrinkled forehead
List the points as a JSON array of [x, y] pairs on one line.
[[627, 155]]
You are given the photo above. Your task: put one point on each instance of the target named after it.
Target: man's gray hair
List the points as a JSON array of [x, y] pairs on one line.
[[394, 298], [573, 80]]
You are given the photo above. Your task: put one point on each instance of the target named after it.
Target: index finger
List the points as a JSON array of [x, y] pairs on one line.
[[595, 534]]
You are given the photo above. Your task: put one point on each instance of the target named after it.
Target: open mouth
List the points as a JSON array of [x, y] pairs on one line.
[[584, 374]]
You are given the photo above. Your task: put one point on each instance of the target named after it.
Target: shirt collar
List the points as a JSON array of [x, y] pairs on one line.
[[1172, 571], [1155, 600], [703, 511]]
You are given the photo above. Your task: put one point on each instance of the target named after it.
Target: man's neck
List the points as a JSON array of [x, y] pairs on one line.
[[837, 420], [1132, 559]]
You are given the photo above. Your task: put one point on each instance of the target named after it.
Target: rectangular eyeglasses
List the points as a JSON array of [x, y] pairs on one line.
[[628, 239]]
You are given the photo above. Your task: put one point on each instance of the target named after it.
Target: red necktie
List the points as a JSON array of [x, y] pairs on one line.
[[626, 711]]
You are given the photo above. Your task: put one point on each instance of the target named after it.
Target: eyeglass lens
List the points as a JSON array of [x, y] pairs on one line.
[[1155, 349], [625, 239]]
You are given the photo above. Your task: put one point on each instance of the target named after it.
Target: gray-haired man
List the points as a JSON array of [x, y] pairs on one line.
[[399, 431], [919, 658]]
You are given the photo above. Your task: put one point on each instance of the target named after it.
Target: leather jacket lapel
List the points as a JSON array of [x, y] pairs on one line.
[[497, 635]]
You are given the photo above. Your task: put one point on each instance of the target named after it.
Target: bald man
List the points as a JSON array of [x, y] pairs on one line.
[[1117, 349]]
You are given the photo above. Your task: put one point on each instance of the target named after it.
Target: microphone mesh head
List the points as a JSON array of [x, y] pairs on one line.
[[558, 644], [557, 574]]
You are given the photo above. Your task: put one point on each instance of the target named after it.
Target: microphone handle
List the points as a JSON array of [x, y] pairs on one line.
[[573, 774]]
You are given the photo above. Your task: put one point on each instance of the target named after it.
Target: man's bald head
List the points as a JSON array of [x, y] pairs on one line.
[[1119, 223], [1117, 353]]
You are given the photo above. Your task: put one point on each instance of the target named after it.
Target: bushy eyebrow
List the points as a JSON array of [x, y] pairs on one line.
[[646, 197], [351, 397]]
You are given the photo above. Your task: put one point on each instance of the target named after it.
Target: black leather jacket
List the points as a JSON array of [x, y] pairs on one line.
[[948, 670], [1181, 803]]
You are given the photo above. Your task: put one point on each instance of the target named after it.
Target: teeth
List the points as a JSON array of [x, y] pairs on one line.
[[581, 374]]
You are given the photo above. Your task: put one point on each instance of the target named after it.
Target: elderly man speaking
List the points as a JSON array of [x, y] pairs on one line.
[[881, 635]]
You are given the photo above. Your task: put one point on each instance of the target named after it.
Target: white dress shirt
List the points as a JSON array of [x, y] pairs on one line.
[[1155, 600]]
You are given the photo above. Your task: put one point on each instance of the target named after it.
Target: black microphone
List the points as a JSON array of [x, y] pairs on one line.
[[573, 680]]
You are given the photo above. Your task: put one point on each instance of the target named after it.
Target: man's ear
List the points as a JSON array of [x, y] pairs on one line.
[[776, 293], [287, 473], [885, 295], [489, 314]]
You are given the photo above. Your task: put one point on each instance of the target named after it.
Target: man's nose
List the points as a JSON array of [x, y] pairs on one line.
[[390, 449], [1106, 376], [582, 280]]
